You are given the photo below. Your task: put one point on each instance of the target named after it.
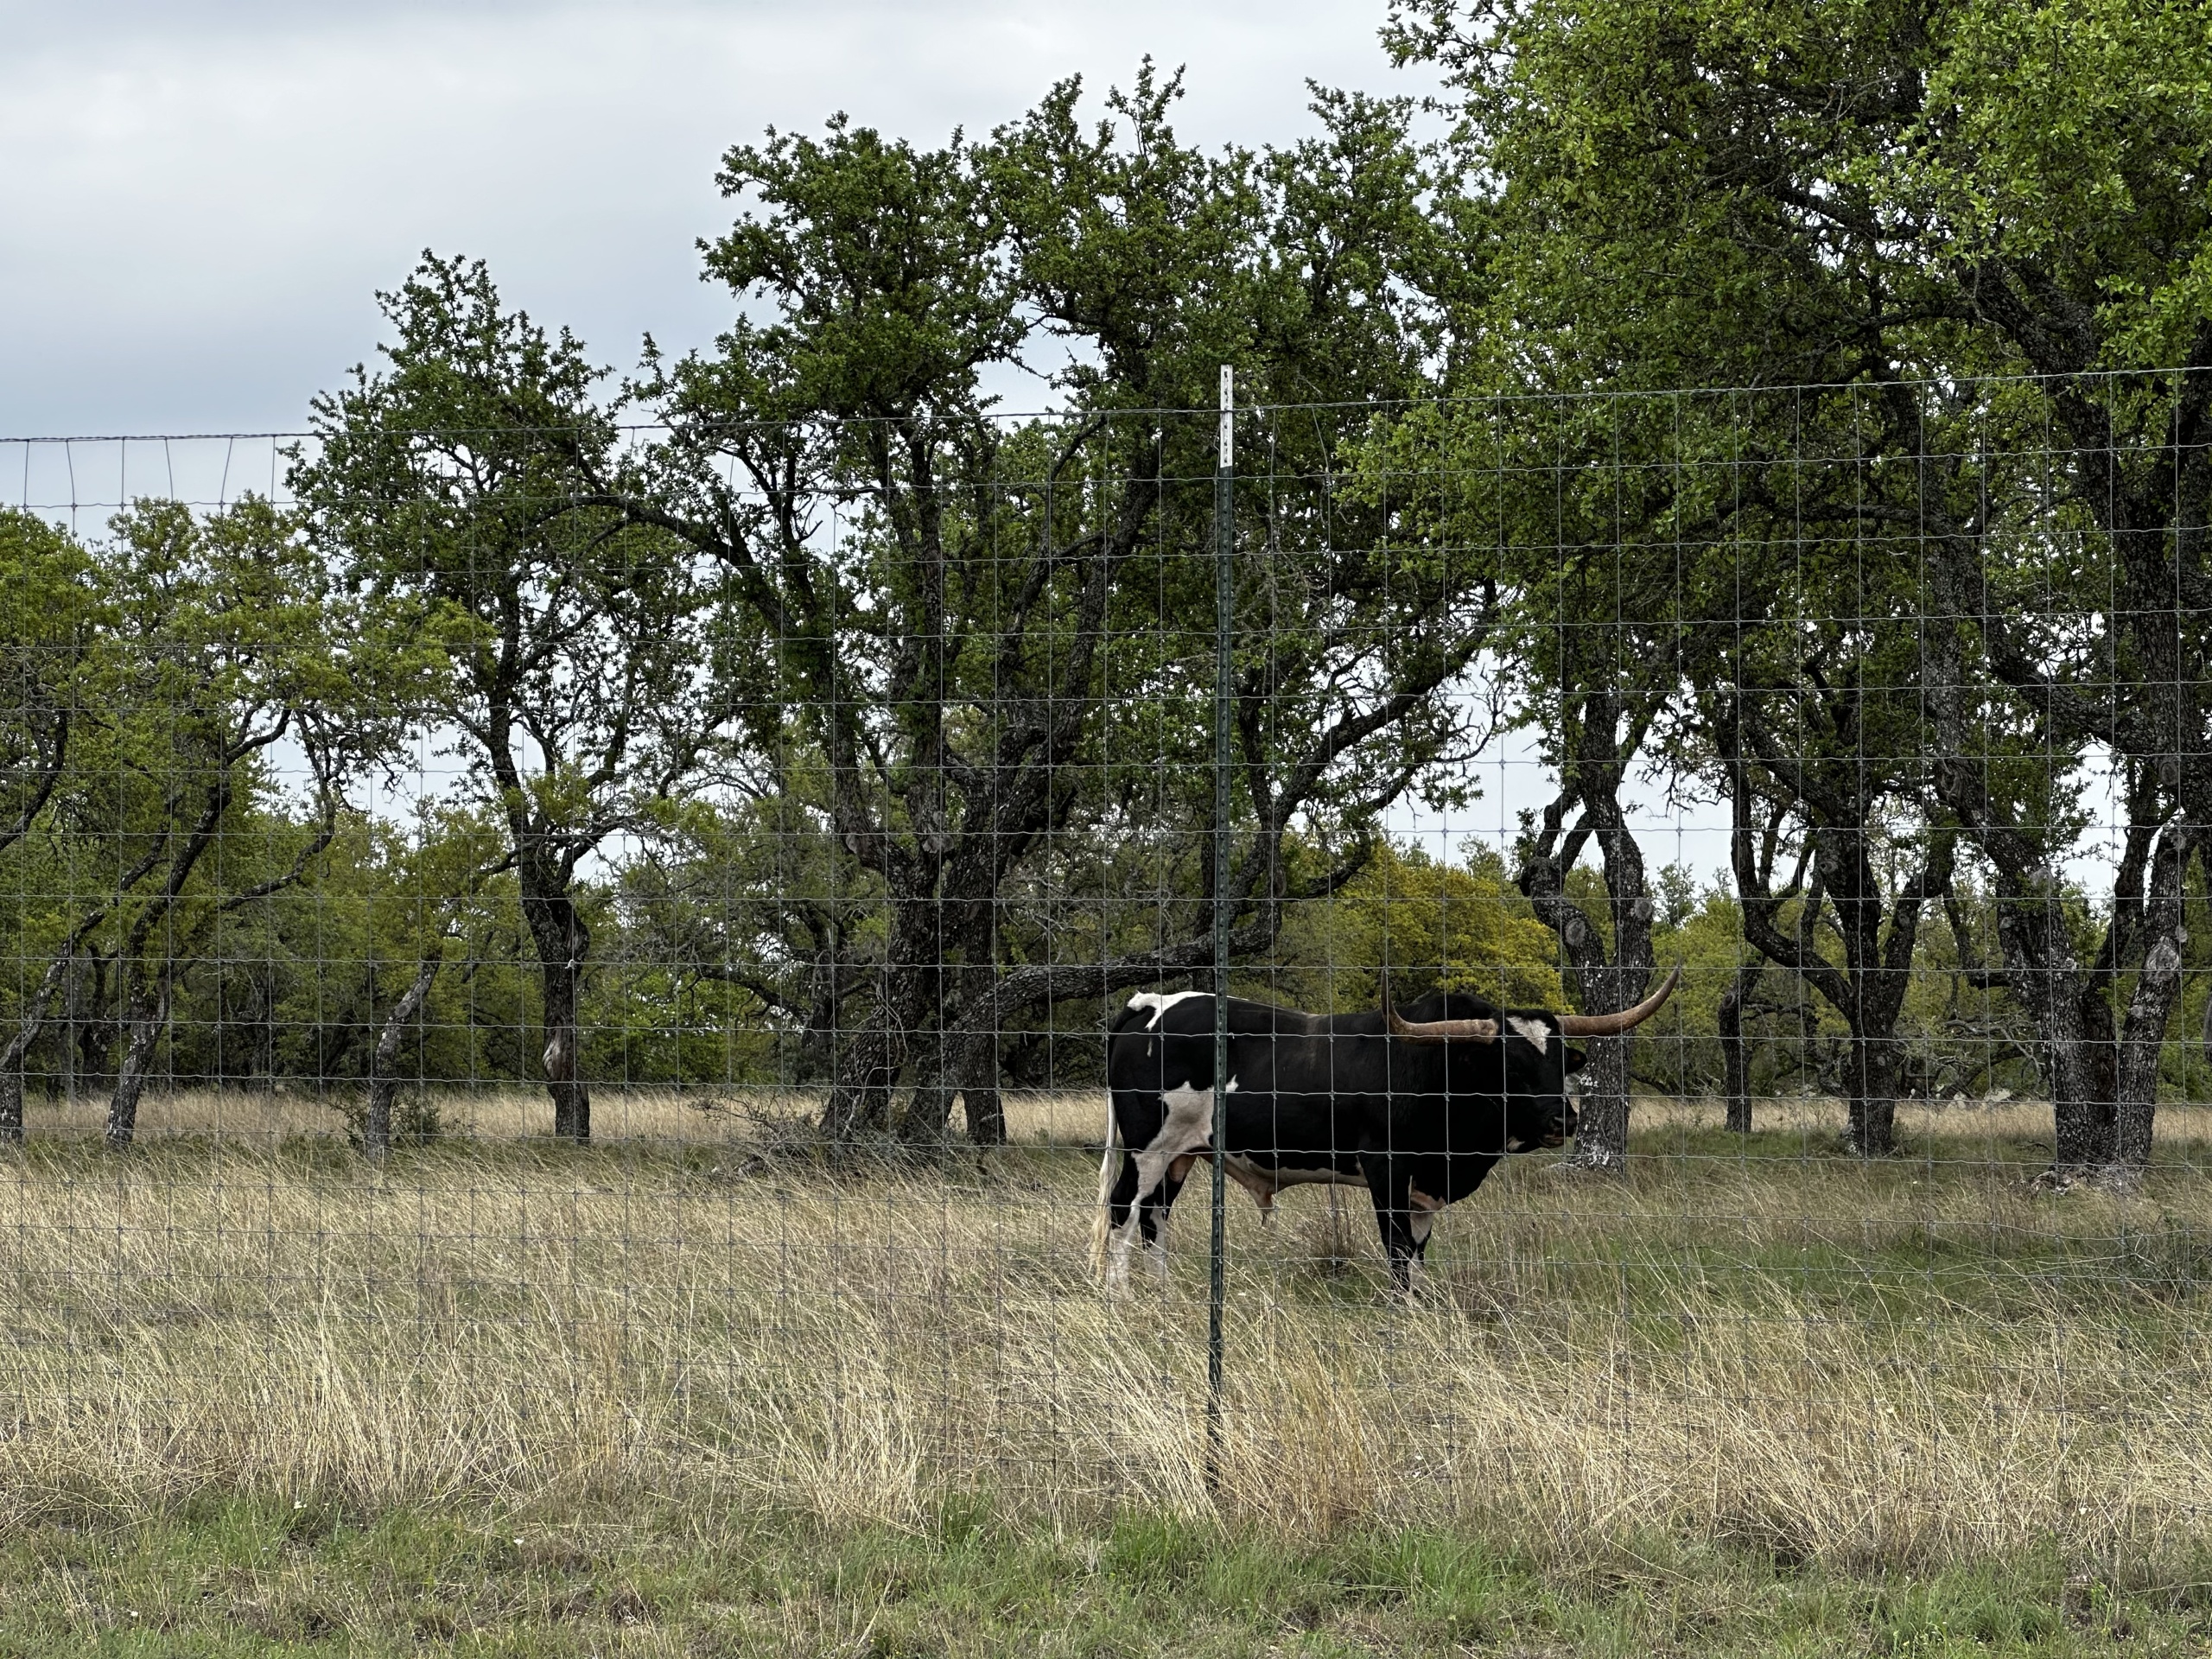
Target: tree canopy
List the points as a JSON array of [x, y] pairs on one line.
[[1801, 413]]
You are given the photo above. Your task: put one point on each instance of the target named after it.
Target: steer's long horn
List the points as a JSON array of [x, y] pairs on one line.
[[1612, 1024], [1434, 1031]]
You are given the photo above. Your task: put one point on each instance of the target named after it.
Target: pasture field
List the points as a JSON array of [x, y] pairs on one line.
[[694, 1391]]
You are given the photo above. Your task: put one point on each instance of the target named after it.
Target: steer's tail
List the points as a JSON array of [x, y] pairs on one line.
[[1098, 1222]]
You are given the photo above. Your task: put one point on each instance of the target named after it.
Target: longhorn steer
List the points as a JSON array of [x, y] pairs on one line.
[[1417, 1110]]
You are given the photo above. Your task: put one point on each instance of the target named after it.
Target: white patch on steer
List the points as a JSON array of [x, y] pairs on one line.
[[1159, 1002], [1187, 1126], [1534, 1030], [1280, 1176]]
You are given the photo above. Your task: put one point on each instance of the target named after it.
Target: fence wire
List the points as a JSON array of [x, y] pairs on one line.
[[547, 964]]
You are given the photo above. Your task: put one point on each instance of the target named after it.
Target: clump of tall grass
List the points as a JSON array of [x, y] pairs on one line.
[[1916, 1362]]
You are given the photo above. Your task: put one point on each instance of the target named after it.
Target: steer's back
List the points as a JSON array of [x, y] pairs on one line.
[[1172, 1036], [1300, 1085]]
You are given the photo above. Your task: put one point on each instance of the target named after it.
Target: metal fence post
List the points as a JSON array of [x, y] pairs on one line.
[[1224, 539]]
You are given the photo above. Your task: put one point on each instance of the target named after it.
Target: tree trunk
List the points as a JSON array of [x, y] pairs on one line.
[[1842, 806], [2098, 1076], [1601, 1141], [960, 1058], [2070, 1005], [73, 980], [929, 1107], [93, 1032], [860, 1090], [147, 1018], [1601, 1132], [11, 1063], [818, 1043], [1600, 985], [962, 1064], [1868, 991], [11, 1082], [563, 942], [907, 1003], [26, 1032], [1735, 1052], [1869, 1128], [1855, 897], [2044, 974], [981, 1103], [384, 1082], [563, 1078], [1880, 970], [2157, 990]]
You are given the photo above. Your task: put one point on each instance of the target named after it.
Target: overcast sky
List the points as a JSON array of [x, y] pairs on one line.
[[198, 200]]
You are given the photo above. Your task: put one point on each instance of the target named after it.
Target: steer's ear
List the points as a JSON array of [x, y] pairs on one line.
[[1576, 1059]]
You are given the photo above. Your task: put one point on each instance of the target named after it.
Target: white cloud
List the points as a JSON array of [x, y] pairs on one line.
[[197, 201]]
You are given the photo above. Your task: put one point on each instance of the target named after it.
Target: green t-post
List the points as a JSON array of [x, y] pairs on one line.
[[1224, 607]]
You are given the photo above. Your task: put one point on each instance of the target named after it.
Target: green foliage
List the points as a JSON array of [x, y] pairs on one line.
[[220, 643], [51, 613], [1431, 926], [883, 264], [446, 494]]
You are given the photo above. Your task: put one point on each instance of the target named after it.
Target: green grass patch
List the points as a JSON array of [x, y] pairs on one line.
[[239, 1577]]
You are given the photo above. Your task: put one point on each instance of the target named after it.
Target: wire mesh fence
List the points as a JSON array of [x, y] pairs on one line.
[[574, 963]]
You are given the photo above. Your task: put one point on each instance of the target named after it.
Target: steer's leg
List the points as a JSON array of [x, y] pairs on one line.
[[1421, 1219], [1180, 1128], [1137, 1118], [1389, 1184], [1159, 1210], [1120, 1214]]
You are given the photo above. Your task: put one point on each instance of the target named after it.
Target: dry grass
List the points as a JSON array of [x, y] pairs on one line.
[[1912, 1363], [1064, 1118], [494, 1113], [1957, 1127], [503, 1112]]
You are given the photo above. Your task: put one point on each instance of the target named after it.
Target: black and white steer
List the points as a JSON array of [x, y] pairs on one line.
[[1417, 1110]]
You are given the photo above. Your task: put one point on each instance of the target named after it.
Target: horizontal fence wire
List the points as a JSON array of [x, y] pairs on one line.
[[636, 965]]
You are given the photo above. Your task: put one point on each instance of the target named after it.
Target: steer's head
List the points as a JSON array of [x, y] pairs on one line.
[[1535, 1054]]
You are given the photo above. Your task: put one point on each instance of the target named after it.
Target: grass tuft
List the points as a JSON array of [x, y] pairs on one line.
[[1752, 1361]]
